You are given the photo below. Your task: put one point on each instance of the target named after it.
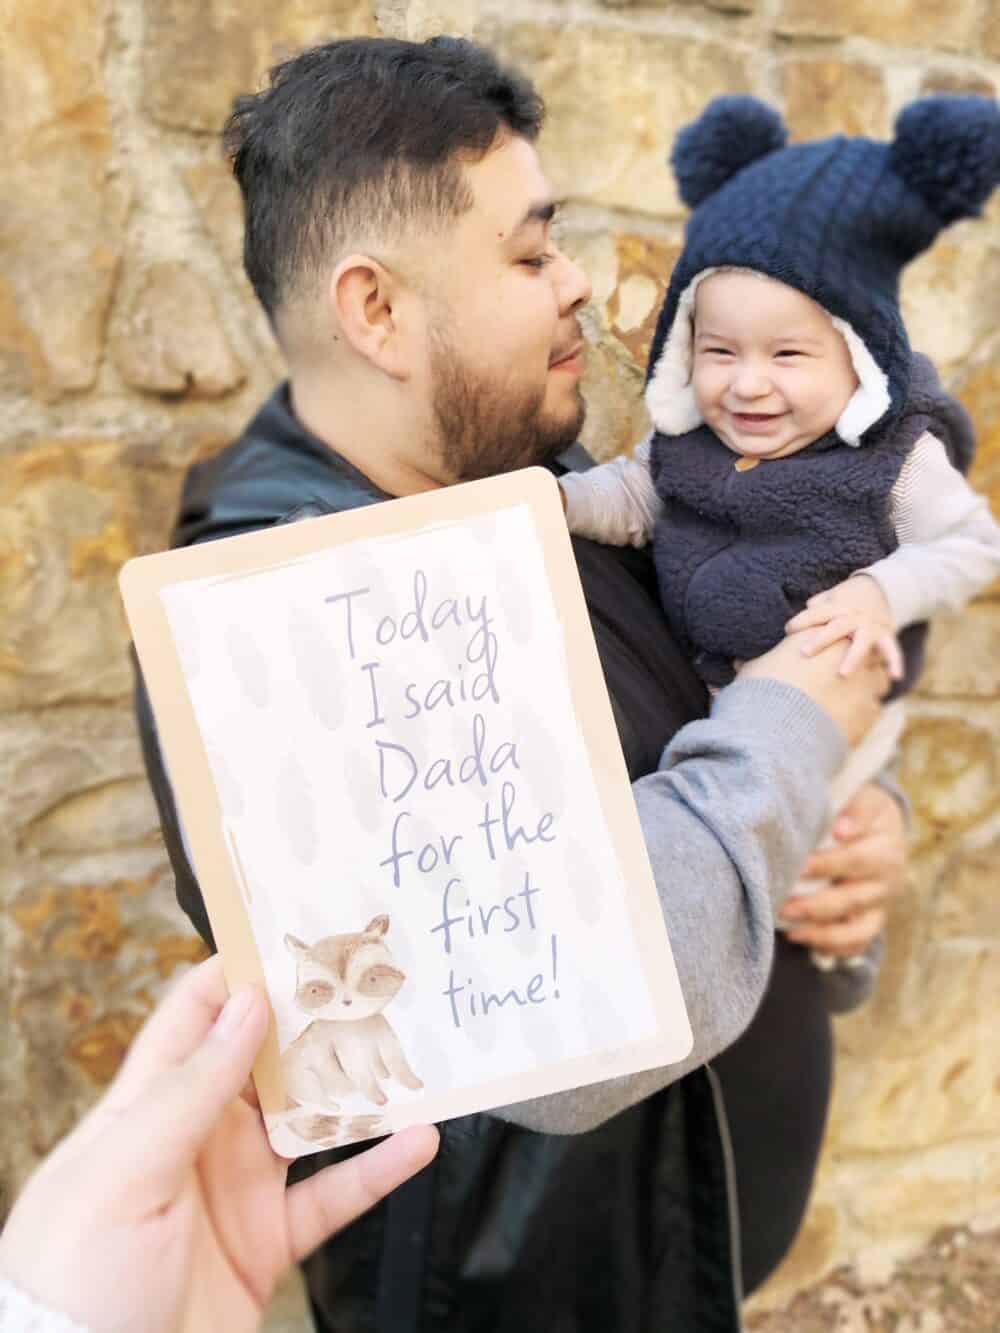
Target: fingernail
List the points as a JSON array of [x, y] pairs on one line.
[[234, 1013]]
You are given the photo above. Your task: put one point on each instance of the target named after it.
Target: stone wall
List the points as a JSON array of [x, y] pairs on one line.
[[130, 344]]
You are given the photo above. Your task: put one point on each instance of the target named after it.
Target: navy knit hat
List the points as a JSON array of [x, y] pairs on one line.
[[837, 218]]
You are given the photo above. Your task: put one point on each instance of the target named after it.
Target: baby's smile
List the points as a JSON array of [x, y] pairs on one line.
[[760, 342], [756, 421]]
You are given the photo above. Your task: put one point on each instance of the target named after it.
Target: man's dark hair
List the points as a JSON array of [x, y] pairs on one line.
[[364, 138]]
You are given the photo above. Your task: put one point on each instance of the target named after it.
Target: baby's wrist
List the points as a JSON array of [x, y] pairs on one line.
[[867, 581]]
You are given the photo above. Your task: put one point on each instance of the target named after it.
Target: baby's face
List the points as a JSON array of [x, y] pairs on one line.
[[770, 372]]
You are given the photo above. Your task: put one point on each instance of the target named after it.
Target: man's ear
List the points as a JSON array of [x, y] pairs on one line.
[[364, 296]]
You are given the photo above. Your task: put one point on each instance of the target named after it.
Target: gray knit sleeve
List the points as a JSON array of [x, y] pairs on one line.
[[738, 802]]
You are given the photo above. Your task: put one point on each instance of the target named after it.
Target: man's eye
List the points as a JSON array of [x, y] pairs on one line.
[[538, 261]]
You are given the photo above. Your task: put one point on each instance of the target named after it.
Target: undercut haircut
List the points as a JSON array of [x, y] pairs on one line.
[[360, 140]]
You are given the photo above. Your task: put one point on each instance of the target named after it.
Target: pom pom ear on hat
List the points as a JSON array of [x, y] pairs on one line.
[[729, 134], [947, 149]]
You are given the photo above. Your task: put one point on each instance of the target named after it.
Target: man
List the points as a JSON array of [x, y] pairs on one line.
[[398, 234]]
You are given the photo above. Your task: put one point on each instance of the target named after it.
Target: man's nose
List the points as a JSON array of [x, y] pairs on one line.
[[573, 287]]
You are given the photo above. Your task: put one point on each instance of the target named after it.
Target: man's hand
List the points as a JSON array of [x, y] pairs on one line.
[[851, 701], [166, 1207], [856, 610], [865, 869]]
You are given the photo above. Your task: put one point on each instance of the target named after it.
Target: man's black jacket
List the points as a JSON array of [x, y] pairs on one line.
[[621, 1230]]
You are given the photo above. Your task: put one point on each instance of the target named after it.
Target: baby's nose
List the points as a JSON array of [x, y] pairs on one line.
[[751, 382]]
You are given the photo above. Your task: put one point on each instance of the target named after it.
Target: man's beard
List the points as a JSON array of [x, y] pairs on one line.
[[485, 427]]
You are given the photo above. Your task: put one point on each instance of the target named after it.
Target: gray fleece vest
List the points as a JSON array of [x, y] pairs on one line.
[[739, 553]]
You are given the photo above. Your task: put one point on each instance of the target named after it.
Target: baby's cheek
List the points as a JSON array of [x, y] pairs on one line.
[[708, 386]]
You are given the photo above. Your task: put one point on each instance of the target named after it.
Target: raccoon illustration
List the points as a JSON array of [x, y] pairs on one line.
[[344, 982]]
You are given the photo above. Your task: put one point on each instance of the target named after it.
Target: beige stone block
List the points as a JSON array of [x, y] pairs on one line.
[[612, 382], [963, 658], [824, 97], [904, 1198], [952, 81], [417, 20], [612, 387], [947, 980], [216, 196], [72, 782], [23, 365], [169, 339], [949, 770], [965, 904], [100, 1048], [87, 957], [116, 813], [644, 268], [951, 293], [935, 1074], [597, 254], [62, 220], [938, 24], [71, 512], [861, 1035], [686, 6], [63, 541], [980, 392], [628, 274], [616, 98], [199, 58], [991, 30]]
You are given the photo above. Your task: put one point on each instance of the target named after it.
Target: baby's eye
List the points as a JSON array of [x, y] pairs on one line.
[[787, 352], [717, 351], [538, 261]]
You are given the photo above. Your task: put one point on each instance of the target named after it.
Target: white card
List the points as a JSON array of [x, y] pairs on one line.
[[398, 773]]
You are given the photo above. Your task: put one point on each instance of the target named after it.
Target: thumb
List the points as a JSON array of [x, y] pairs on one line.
[[857, 816], [161, 1133]]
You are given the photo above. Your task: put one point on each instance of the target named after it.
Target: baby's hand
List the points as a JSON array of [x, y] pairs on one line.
[[857, 610]]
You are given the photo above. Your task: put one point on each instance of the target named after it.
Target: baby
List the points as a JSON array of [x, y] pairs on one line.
[[781, 341]]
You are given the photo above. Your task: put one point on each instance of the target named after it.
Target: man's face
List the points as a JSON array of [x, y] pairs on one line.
[[505, 351]]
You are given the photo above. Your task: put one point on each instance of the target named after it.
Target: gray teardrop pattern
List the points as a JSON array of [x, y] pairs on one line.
[[296, 812], [249, 665], [317, 667]]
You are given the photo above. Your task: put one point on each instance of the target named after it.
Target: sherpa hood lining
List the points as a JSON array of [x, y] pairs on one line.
[[670, 393]]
